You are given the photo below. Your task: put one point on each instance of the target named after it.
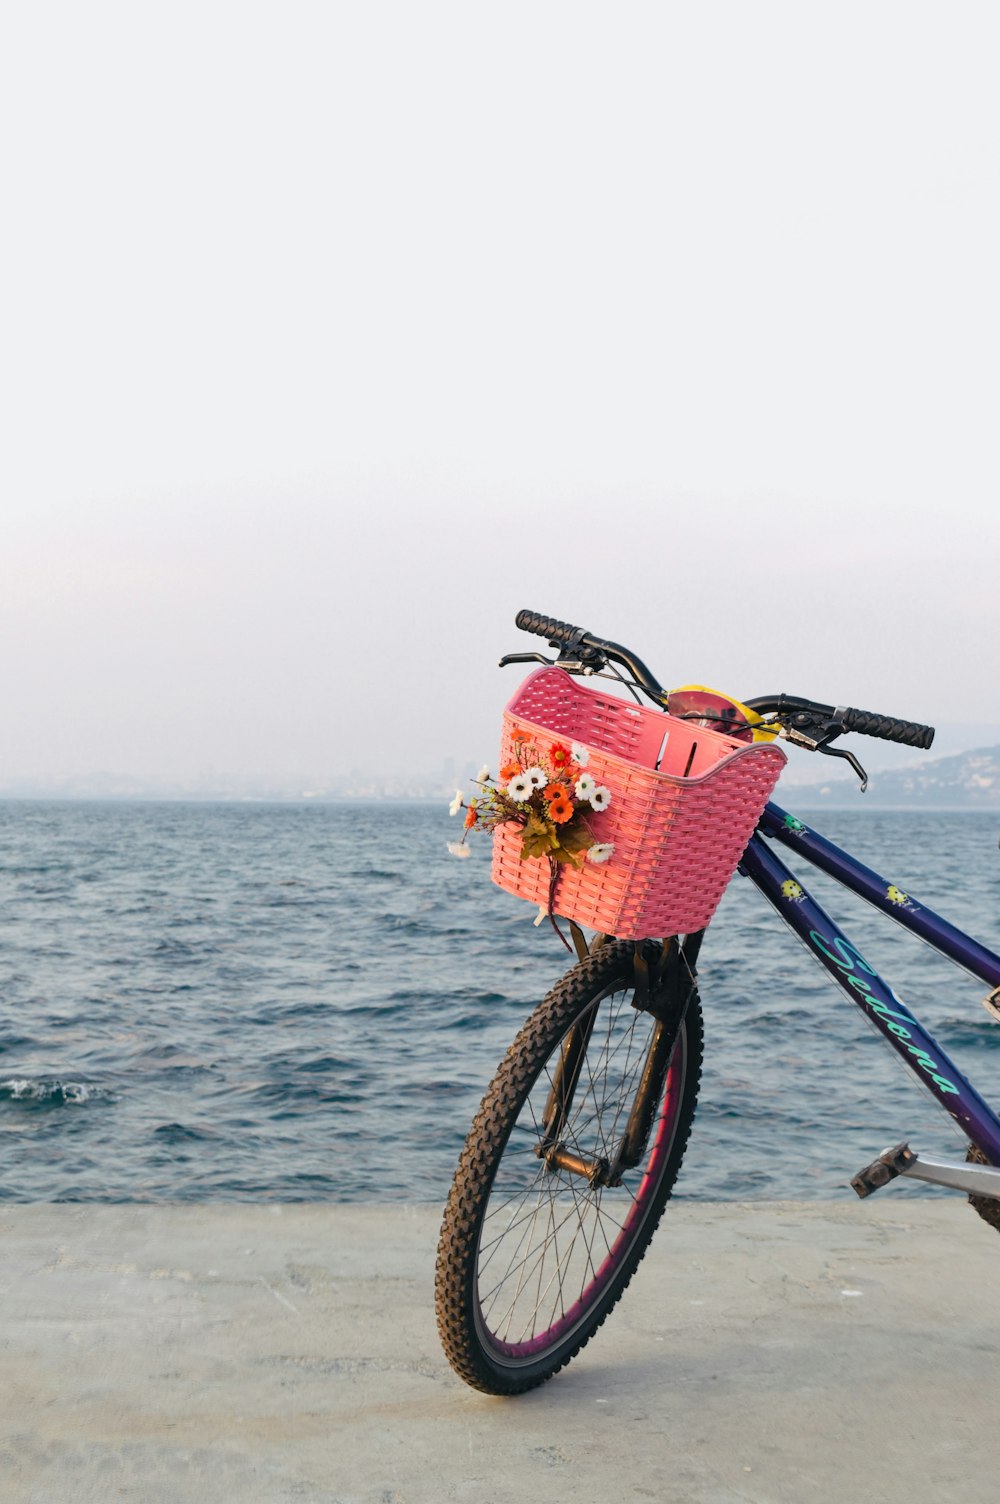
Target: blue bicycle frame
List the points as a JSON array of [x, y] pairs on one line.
[[853, 973]]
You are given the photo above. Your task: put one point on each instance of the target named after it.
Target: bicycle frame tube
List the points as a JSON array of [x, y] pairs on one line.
[[857, 978], [885, 896]]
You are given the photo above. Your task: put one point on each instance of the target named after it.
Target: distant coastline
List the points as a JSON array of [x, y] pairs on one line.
[[963, 781], [966, 780]]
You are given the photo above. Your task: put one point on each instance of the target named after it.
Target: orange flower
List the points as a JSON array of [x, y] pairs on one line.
[[560, 810], [520, 736], [470, 817], [560, 756], [510, 770], [555, 791]]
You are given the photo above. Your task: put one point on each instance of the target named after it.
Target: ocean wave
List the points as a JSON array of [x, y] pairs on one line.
[[979, 1033], [261, 1050], [179, 1133], [53, 1093]]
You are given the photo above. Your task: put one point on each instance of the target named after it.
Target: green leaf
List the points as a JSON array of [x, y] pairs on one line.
[[539, 837], [575, 838], [562, 855], [534, 845]]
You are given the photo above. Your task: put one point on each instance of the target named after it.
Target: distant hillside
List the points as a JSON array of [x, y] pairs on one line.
[[968, 780]]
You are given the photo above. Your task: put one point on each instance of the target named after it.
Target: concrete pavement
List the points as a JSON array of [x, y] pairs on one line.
[[764, 1353]]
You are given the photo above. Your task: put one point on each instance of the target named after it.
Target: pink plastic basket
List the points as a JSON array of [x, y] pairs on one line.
[[678, 836]]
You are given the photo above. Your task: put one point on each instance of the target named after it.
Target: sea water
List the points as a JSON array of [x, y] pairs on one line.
[[287, 1002]]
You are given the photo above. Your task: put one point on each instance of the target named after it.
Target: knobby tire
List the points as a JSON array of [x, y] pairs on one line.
[[531, 1260]]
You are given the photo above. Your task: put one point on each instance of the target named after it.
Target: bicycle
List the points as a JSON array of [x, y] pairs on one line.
[[578, 1141]]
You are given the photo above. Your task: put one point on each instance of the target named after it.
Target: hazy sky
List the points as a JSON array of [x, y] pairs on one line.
[[334, 334]]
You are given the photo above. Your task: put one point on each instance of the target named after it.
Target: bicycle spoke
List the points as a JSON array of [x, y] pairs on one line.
[[540, 1251], [533, 1255]]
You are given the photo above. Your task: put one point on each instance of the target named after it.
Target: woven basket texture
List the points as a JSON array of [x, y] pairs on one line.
[[678, 839]]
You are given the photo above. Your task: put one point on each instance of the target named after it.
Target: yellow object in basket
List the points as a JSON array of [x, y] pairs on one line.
[[718, 712]]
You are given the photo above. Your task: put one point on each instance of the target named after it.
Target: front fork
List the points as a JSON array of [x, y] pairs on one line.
[[664, 981]]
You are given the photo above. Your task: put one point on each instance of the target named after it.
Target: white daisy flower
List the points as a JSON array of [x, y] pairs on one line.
[[483, 774], [458, 848], [585, 786], [541, 916], [456, 803], [520, 788], [600, 798], [536, 776], [579, 754], [601, 851]]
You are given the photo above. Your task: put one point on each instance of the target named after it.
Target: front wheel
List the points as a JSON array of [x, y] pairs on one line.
[[548, 1215]]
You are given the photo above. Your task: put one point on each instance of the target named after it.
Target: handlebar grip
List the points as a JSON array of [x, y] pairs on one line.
[[547, 626], [887, 727]]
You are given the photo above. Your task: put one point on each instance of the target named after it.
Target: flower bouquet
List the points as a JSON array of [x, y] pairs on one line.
[[549, 794]]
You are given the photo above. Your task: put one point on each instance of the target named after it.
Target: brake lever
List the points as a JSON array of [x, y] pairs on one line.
[[525, 658], [807, 729], [829, 751], [577, 661]]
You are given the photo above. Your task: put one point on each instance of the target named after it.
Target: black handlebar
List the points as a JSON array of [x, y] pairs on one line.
[[590, 649], [887, 727], [559, 633], [792, 711]]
